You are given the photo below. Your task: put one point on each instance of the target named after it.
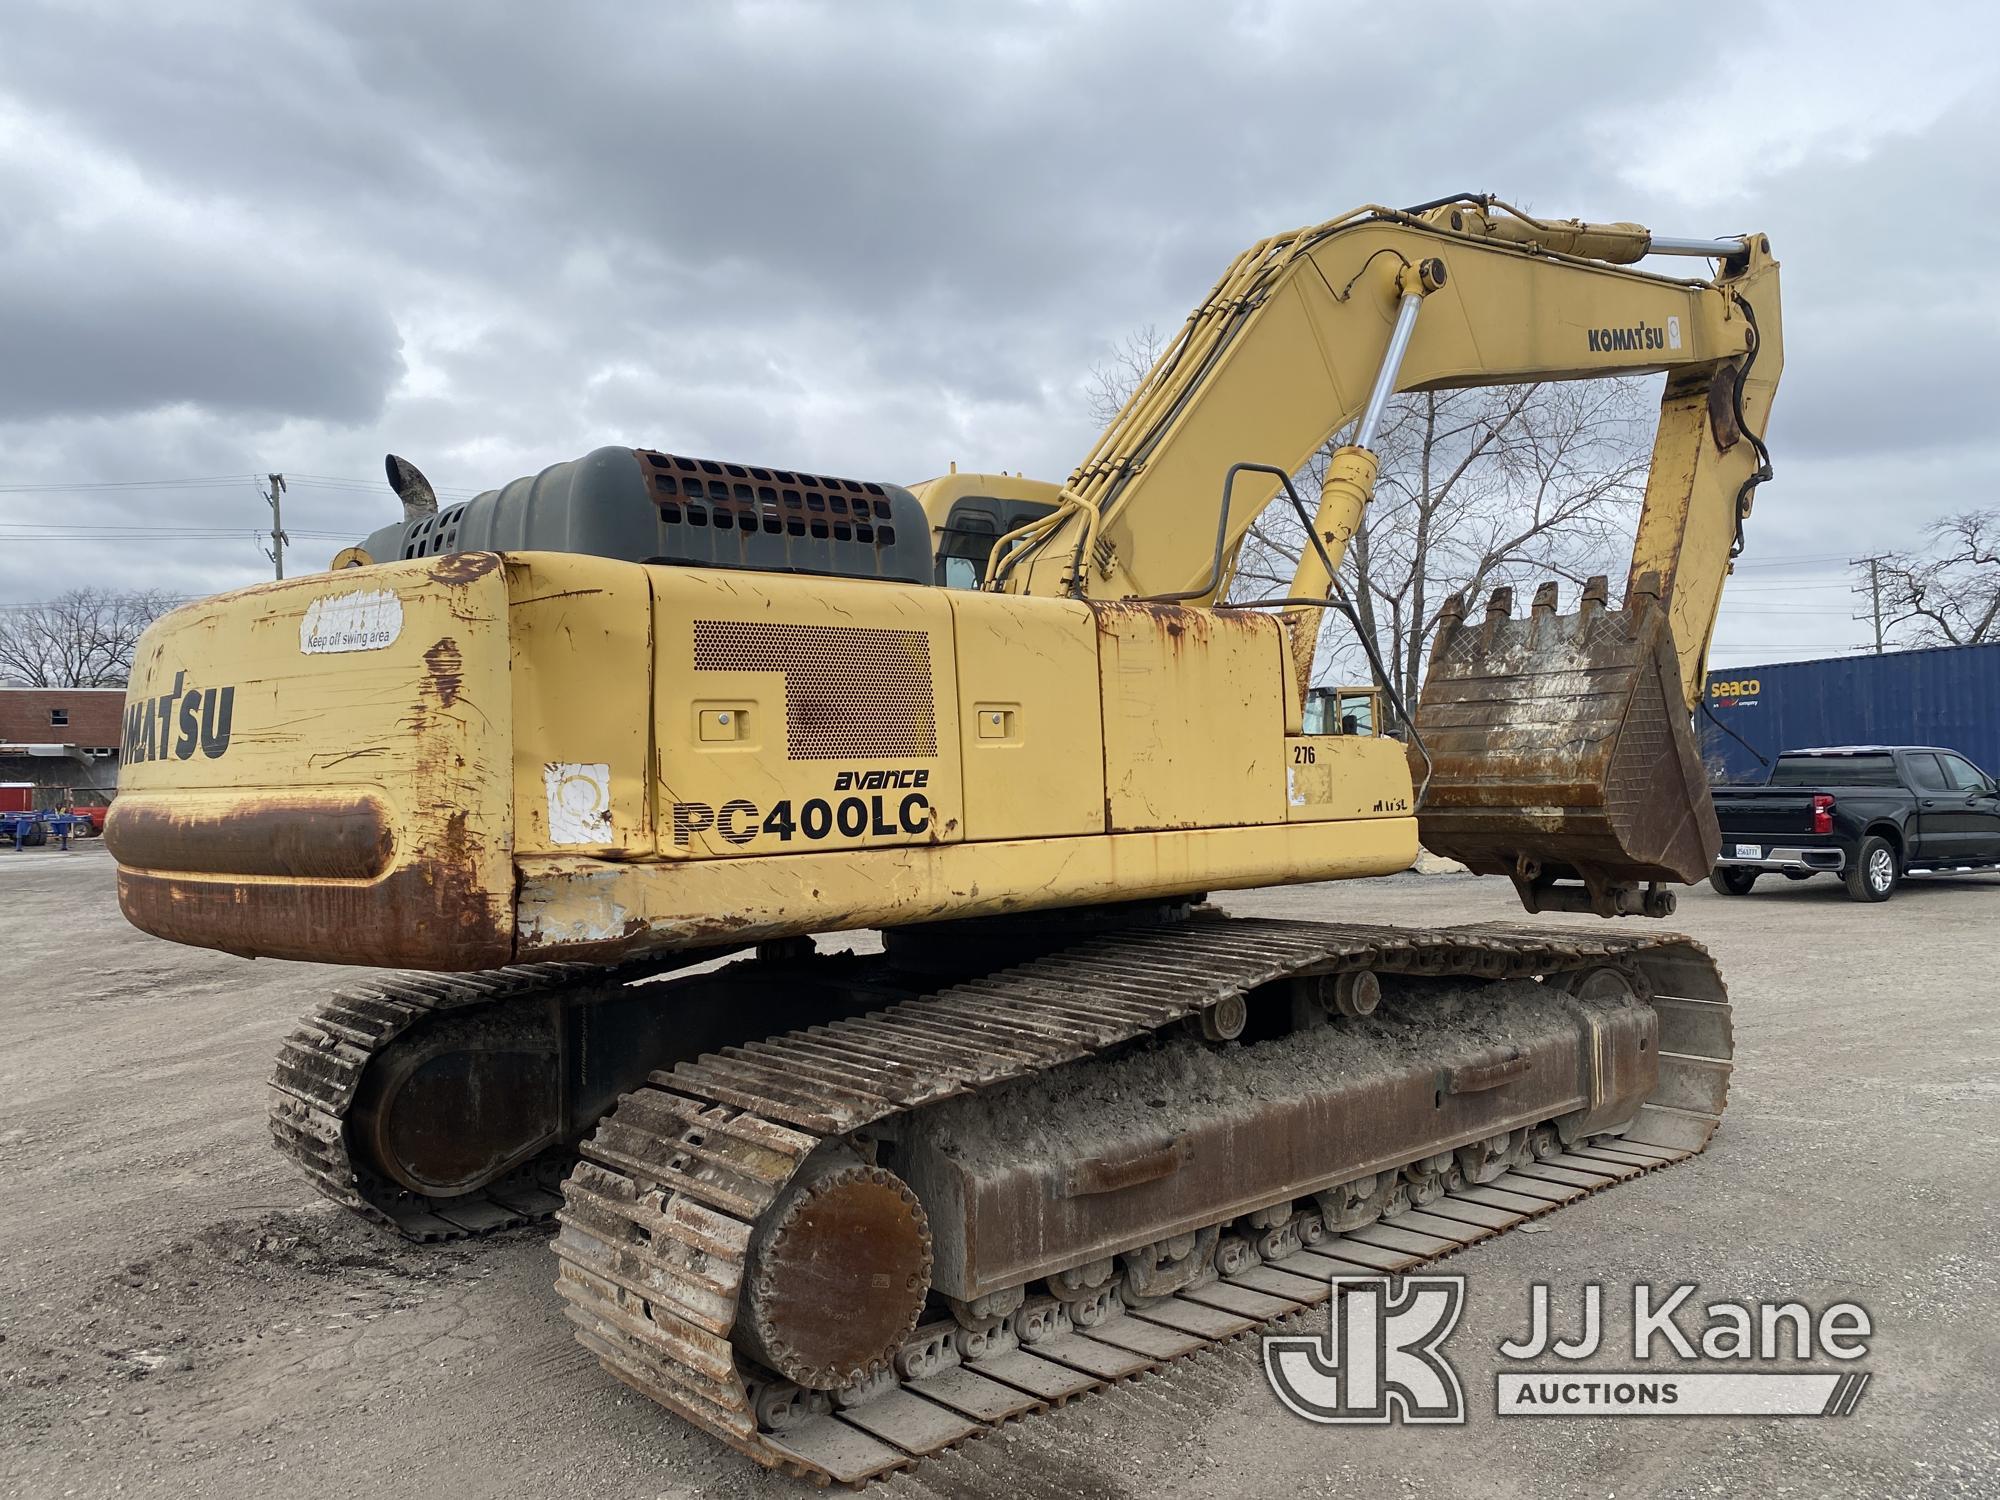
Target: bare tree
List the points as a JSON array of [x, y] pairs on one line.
[[85, 638], [1112, 382], [1951, 595], [1478, 488]]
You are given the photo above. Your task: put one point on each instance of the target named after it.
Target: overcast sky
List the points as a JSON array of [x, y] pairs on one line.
[[875, 238]]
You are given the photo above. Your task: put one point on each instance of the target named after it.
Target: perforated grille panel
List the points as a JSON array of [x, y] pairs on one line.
[[748, 497], [435, 533], [851, 691]]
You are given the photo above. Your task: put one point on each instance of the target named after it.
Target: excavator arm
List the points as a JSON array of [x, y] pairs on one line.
[[1290, 345], [1556, 748]]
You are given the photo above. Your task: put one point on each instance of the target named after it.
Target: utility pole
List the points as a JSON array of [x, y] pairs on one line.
[[1874, 591], [272, 497]]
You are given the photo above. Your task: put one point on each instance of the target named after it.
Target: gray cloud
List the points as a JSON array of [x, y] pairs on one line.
[[878, 238], [105, 324]]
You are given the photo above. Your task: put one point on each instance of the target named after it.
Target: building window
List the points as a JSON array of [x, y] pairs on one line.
[[59, 718]]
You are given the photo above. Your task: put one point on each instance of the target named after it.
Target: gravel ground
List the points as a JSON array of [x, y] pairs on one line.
[[182, 1316]]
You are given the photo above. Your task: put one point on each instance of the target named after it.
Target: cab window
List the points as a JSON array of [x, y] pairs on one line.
[[963, 547], [1357, 713], [966, 539], [1319, 712], [1925, 773], [1963, 774]]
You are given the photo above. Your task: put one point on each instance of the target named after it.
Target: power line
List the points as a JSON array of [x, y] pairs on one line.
[[372, 486], [145, 527], [1782, 609], [28, 531], [123, 484], [1794, 562], [1873, 588], [316, 481], [1732, 590]]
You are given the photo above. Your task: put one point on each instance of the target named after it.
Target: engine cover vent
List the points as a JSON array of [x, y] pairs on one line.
[[852, 692]]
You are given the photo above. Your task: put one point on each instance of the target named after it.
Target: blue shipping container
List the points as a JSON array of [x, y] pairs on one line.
[[1947, 696]]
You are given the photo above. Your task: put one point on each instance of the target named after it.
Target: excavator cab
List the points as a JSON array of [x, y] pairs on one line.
[[1344, 710]]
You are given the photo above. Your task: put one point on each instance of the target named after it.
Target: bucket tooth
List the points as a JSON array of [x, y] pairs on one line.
[[1596, 590], [1562, 753], [1499, 610]]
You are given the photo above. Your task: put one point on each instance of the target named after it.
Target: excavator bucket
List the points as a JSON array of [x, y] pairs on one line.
[[1562, 751]]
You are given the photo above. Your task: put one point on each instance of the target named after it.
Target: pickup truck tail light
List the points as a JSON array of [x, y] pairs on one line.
[[1822, 813]]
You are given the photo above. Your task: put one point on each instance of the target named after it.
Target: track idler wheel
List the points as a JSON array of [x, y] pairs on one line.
[[1317, 997], [837, 1274], [1223, 1021]]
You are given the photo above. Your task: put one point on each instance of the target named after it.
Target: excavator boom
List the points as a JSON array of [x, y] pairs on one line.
[[1556, 748]]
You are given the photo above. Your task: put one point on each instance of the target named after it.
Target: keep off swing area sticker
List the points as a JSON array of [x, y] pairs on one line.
[[365, 620]]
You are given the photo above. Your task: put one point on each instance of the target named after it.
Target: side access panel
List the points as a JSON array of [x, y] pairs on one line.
[[802, 715], [1330, 776], [582, 658], [1031, 725], [1194, 717]]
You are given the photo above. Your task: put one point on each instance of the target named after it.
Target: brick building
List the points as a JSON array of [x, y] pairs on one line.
[[61, 737]]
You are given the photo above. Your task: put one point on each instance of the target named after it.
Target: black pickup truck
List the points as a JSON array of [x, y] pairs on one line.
[[1868, 813]]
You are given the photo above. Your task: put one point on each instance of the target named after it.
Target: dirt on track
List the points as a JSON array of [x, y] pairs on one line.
[[180, 1315]]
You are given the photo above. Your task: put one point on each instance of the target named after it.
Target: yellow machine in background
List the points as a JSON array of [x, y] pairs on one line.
[[642, 709]]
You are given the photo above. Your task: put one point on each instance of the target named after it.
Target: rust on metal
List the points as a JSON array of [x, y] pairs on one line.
[[1176, 623], [1173, 620], [1561, 750], [469, 1100], [341, 835], [660, 1307], [566, 914], [434, 917], [204, 878], [837, 1275], [442, 1108], [1723, 395], [446, 665], [1011, 1216], [464, 567]]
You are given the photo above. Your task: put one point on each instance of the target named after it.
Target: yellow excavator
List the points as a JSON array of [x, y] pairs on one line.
[[599, 753]]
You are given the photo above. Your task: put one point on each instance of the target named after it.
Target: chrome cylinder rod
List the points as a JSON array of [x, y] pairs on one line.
[[1385, 378], [1661, 244]]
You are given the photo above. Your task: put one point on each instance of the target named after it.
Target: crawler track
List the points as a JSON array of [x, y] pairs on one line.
[[658, 1216], [319, 1073]]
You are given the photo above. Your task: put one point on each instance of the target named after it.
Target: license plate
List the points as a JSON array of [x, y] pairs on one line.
[[1749, 851]]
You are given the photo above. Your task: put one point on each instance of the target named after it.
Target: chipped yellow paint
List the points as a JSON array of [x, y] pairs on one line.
[[572, 908], [580, 629], [407, 727], [777, 754], [1345, 776], [1194, 717], [1032, 739]]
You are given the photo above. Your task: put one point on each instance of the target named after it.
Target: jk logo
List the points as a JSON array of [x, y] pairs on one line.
[[1380, 1359]]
